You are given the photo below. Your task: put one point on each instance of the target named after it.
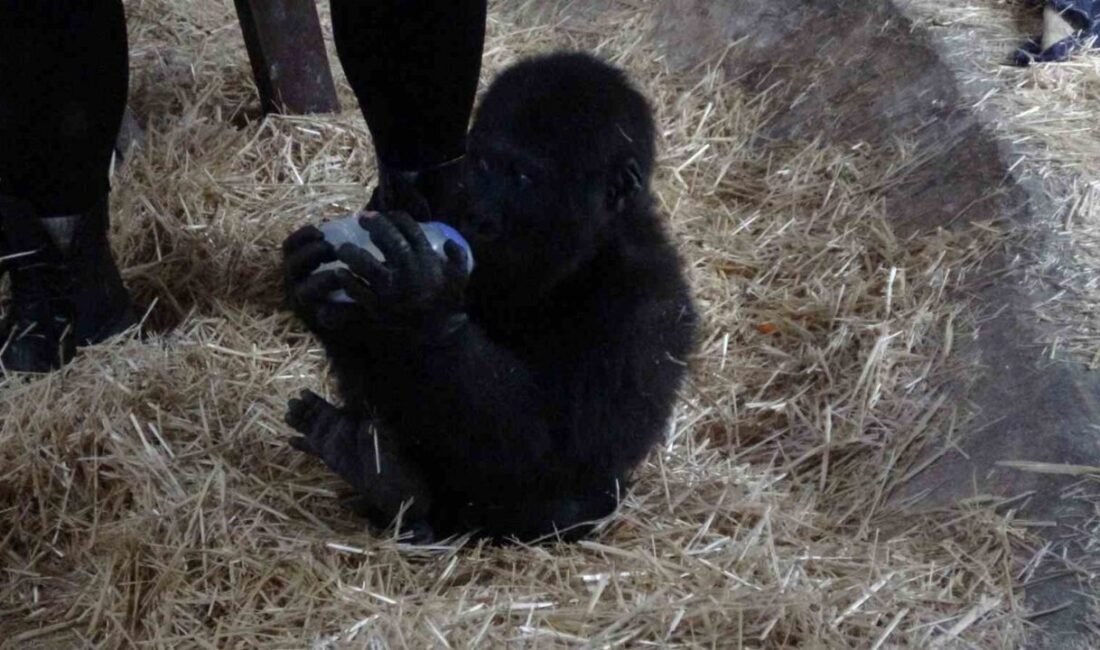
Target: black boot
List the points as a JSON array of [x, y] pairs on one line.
[[431, 194], [65, 287]]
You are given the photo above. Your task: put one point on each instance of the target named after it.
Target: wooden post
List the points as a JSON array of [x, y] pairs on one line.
[[288, 55]]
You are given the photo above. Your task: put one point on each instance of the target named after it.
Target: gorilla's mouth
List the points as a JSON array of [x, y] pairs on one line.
[[479, 229]]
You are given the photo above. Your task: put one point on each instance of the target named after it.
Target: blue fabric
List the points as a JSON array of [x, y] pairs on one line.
[[1084, 15]]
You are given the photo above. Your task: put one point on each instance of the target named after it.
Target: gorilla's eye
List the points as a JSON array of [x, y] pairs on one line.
[[524, 179]]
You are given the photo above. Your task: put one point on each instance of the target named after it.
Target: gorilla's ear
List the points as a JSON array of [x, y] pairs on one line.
[[625, 184]]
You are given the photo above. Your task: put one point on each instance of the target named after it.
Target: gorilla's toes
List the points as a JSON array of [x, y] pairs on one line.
[[295, 416], [302, 443], [303, 411], [419, 533]]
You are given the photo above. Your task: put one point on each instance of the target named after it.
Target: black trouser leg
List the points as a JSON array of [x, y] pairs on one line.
[[414, 65], [63, 80]]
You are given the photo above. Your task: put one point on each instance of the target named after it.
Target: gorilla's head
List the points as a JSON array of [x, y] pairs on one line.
[[559, 159]]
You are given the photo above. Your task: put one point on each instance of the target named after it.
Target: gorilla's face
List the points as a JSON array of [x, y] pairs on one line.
[[532, 220], [560, 150]]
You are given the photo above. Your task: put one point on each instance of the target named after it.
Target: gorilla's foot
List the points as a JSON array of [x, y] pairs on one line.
[[418, 532], [65, 287], [388, 485], [323, 427]]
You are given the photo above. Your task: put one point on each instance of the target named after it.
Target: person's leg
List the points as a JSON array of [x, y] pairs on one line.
[[63, 82], [1068, 25], [414, 65]]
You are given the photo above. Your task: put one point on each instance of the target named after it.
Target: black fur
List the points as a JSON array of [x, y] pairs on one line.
[[515, 406]]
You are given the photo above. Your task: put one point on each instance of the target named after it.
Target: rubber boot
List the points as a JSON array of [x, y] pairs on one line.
[[66, 290], [431, 194]]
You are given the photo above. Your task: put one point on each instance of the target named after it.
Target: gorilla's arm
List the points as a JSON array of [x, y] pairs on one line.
[[629, 383], [468, 400], [474, 403], [406, 346]]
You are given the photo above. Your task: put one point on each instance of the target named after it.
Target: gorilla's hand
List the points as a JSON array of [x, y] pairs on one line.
[[303, 251], [414, 292]]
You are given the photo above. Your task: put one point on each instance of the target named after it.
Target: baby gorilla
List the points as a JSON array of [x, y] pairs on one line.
[[514, 403]]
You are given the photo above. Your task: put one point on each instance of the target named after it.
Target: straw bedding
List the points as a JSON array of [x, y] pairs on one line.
[[1047, 115], [148, 496]]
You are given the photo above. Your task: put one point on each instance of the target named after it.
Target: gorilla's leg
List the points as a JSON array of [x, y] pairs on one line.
[[363, 456], [414, 65], [63, 79]]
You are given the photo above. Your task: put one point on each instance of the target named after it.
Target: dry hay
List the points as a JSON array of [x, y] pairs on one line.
[[1047, 115], [148, 497]]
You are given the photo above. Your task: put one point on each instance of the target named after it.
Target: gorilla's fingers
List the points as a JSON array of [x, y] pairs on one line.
[[301, 443], [359, 291], [417, 533], [308, 257], [367, 215], [337, 317], [334, 317], [310, 398], [325, 418], [390, 241], [302, 410], [317, 287], [293, 406], [296, 416], [456, 257], [312, 416], [366, 266], [418, 241], [300, 237]]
